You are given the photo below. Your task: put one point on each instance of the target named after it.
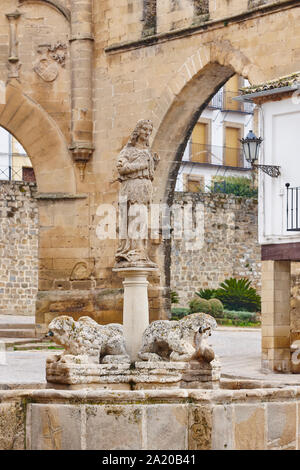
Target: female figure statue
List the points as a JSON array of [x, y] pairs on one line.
[[136, 166]]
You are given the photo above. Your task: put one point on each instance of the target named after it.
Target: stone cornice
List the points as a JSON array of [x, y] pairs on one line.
[[208, 25]]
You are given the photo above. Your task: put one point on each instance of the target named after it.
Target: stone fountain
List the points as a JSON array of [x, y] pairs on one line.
[[135, 355]]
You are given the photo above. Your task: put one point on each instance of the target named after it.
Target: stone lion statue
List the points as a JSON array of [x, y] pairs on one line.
[[85, 337], [179, 341]]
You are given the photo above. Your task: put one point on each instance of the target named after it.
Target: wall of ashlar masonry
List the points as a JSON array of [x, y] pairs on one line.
[[257, 419], [228, 245], [19, 228]]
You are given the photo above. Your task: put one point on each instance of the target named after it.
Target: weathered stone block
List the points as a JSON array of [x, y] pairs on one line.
[[12, 426], [167, 427], [222, 428], [282, 423], [54, 427], [200, 428], [114, 427], [249, 428]]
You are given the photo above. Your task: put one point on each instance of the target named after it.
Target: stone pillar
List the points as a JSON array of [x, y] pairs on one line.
[[135, 308], [276, 355], [81, 42]]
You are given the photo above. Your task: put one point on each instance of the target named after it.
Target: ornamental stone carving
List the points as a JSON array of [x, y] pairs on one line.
[[179, 341], [86, 338], [51, 57], [136, 166]]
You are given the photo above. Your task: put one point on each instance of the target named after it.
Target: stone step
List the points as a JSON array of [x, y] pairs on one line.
[[13, 341], [37, 346], [17, 326], [17, 333]]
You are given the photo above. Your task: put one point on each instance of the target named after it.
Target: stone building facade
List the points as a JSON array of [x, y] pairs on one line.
[[76, 76], [18, 248], [230, 245]]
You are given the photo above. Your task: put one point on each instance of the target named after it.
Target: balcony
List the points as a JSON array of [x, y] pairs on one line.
[[218, 155], [224, 100], [292, 209]]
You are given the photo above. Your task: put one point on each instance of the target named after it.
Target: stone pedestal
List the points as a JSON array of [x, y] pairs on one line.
[[136, 307], [77, 372]]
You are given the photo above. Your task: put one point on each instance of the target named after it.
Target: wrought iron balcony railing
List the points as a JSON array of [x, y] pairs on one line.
[[220, 155], [10, 173], [224, 100], [293, 208]]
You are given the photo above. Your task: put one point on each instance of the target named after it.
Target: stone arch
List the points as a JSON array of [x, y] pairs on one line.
[[177, 110], [52, 3], [42, 140]]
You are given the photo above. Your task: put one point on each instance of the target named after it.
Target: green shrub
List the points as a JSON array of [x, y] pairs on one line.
[[174, 297], [243, 316], [179, 313], [237, 294], [239, 186], [206, 294], [216, 308], [199, 306]]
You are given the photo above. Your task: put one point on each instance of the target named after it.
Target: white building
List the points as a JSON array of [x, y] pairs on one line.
[[14, 163], [279, 219], [214, 148]]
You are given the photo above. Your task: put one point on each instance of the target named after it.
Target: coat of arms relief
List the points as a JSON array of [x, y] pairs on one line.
[[51, 58]]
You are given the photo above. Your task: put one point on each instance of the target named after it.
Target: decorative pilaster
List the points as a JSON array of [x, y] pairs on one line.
[[13, 59], [81, 49]]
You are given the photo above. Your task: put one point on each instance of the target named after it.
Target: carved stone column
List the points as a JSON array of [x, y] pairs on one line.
[[13, 59], [81, 42], [135, 308]]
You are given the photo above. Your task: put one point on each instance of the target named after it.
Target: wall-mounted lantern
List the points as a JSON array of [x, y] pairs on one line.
[[251, 145]]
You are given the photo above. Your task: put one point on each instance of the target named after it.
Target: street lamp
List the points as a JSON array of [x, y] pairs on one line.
[[251, 145]]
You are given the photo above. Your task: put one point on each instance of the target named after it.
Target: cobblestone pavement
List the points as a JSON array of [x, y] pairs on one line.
[[238, 350]]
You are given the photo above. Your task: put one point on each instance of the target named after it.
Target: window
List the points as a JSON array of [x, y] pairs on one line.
[[199, 143], [232, 91], [149, 17], [28, 174], [233, 151], [195, 185]]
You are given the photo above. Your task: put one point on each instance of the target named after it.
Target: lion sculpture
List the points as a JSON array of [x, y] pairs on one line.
[[85, 337], [179, 341]]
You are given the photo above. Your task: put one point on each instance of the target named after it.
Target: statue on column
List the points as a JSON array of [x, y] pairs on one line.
[[136, 166]]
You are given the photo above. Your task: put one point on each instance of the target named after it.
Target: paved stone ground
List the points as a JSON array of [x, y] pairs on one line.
[[14, 319], [239, 351]]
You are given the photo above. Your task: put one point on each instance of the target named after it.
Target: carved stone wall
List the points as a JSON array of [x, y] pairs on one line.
[[260, 419], [229, 248], [18, 248]]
